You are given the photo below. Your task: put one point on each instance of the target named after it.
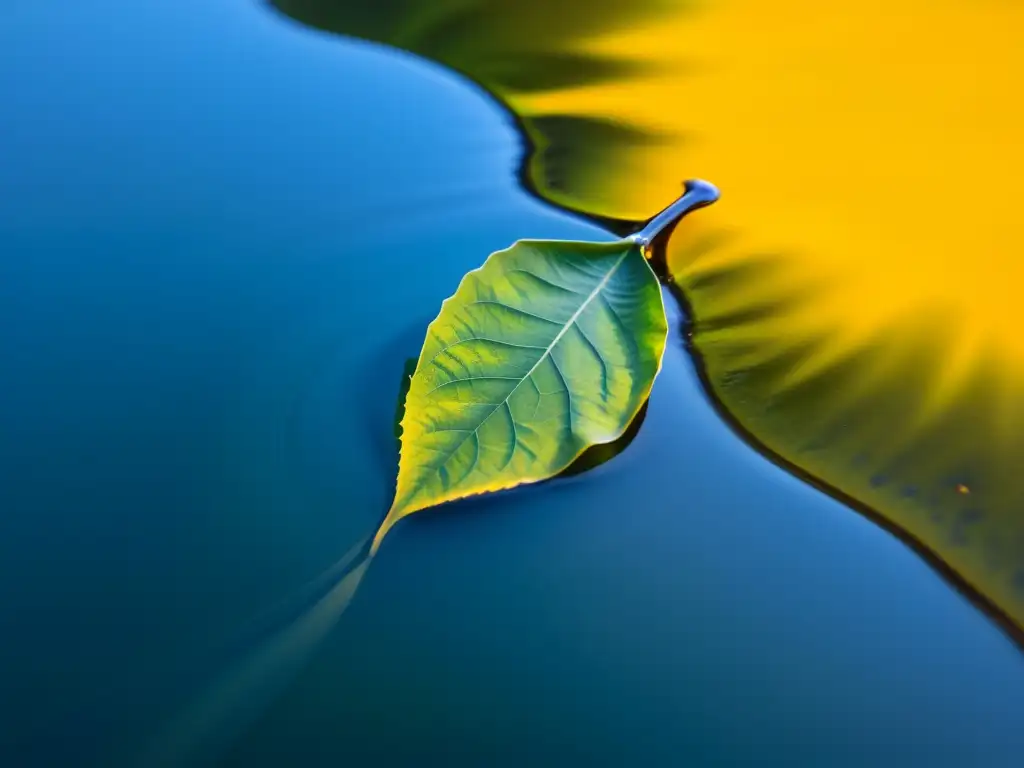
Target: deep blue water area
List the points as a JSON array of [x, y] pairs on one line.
[[221, 236]]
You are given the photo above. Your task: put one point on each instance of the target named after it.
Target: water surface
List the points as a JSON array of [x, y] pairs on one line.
[[221, 235]]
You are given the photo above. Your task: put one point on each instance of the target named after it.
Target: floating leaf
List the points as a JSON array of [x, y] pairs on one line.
[[548, 349]]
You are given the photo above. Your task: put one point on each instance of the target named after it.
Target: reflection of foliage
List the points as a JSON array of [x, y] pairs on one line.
[[573, 152], [856, 310], [520, 51], [858, 419], [506, 45]]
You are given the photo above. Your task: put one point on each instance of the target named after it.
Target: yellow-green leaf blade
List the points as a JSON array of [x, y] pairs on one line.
[[546, 350]]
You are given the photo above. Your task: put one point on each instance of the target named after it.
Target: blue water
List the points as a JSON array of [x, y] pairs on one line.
[[221, 235]]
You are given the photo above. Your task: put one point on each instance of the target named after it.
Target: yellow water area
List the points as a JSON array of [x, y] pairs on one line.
[[881, 144], [855, 291]]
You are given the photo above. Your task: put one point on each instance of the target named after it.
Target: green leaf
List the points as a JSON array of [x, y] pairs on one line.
[[549, 349], [546, 350]]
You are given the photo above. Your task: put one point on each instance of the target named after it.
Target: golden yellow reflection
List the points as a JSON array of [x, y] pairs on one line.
[[855, 292]]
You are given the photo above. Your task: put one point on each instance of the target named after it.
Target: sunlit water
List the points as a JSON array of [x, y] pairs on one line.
[[221, 236]]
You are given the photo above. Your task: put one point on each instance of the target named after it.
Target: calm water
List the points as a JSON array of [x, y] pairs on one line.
[[221, 236]]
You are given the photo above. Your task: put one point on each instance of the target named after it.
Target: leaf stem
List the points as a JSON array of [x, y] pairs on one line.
[[696, 194]]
